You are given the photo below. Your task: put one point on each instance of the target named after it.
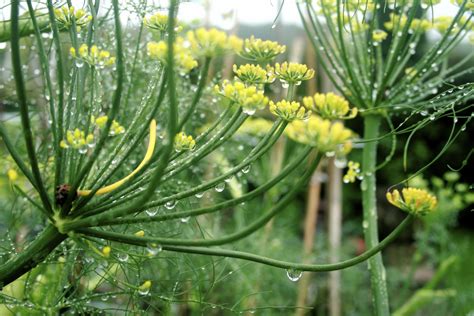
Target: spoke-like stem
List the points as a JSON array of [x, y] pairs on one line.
[[25, 118]]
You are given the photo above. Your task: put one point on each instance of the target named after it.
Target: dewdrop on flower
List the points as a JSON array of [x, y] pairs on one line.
[[412, 200], [293, 73], [288, 111], [330, 106], [184, 142], [260, 51]]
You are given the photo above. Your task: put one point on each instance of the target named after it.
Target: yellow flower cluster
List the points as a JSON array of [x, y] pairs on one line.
[[249, 98], [412, 200], [184, 142], [293, 73], [182, 55], [100, 122], [212, 42], [399, 22], [329, 137], [353, 172], [469, 5], [65, 16], [260, 51], [93, 56], [329, 106], [106, 251], [379, 36], [347, 6], [254, 74], [159, 22], [442, 23], [255, 126], [12, 175], [288, 111], [77, 139]]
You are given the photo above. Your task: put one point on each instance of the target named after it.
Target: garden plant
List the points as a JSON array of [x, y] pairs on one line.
[[131, 135]]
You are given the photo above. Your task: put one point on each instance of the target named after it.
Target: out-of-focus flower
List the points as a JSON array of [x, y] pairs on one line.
[[184, 142], [183, 57], [65, 16], [159, 22], [93, 56], [353, 172], [260, 51], [329, 106], [379, 35], [328, 137], [77, 140], [212, 42], [412, 200]]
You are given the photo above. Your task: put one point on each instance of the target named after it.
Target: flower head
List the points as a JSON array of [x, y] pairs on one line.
[[412, 200], [379, 35], [353, 171], [93, 56], [260, 51], [77, 140], [289, 111], [184, 142], [326, 136], [293, 73], [212, 42], [159, 22], [12, 175], [65, 16], [106, 251], [329, 106], [248, 97], [182, 55], [253, 74]]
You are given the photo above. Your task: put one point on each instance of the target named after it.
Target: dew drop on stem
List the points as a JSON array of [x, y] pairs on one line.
[[293, 275], [171, 204], [246, 169], [220, 187]]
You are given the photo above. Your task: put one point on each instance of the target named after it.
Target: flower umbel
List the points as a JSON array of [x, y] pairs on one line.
[[289, 111], [93, 56], [353, 172], [65, 16], [77, 139], [379, 35], [332, 138], [184, 142], [249, 98], [253, 74], [212, 42], [182, 55], [261, 51], [412, 200], [330, 106], [293, 73]]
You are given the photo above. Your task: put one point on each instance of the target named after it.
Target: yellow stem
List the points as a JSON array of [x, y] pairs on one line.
[[149, 153]]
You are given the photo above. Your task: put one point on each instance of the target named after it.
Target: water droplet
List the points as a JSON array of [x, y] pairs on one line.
[[152, 211], [83, 150], [246, 169], [171, 204], [363, 185], [199, 194], [79, 63], [143, 291], [220, 187], [153, 249], [122, 257], [249, 111], [340, 162], [365, 224], [432, 117], [293, 275], [185, 219]]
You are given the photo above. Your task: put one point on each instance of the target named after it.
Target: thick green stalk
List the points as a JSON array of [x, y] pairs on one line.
[[31, 256], [369, 201]]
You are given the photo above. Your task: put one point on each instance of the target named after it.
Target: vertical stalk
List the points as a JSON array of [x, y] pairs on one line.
[[369, 201]]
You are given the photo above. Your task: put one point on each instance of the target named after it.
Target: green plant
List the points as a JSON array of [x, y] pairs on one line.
[[92, 194]]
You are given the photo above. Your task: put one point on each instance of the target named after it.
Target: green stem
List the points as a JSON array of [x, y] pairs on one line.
[[31, 256], [368, 186]]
